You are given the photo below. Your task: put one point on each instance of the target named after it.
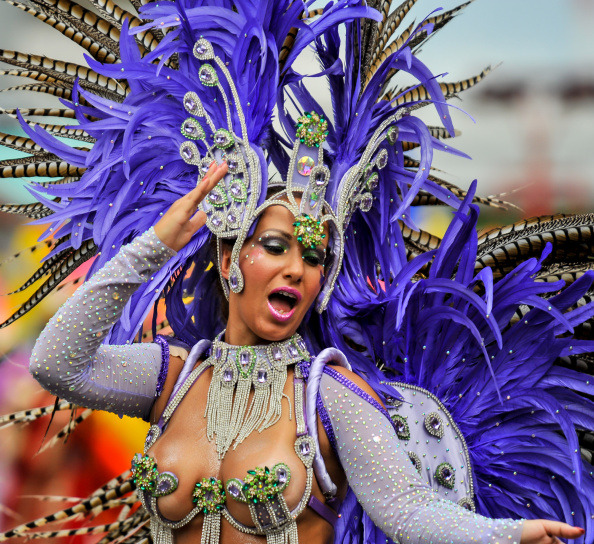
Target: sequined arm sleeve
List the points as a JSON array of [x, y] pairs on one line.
[[68, 359], [386, 484]]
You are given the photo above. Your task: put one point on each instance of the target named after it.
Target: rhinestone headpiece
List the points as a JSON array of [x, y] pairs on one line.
[[234, 204]]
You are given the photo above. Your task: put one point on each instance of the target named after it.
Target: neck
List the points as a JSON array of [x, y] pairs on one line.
[[237, 337]]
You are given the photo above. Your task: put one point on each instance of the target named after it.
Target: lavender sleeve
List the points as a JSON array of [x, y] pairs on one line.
[[387, 485], [68, 359]]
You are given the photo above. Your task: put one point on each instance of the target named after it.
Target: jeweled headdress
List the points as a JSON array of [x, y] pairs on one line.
[[209, 90]]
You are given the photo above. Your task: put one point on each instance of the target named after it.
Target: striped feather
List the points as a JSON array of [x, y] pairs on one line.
[[66, 72], [96, 529], [32, 74], [438, 21], [65, 113], [491, 201], [50, 169], [35, 210], [115, 15], [571, 235], [53, 90], [64, 131], [390, 26], [81, 508], [420, 94], [383, 55], [20, 143], [49, 266], [64, 433], [68, 26], [78, 257], [418, 242], [24, 416]]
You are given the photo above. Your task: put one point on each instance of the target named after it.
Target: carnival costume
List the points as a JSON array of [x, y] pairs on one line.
[[471, 352]]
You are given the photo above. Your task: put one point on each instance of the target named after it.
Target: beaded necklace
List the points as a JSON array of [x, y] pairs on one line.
[[238, 369]]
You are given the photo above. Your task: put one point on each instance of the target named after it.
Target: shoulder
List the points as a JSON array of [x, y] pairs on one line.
[[346, 375]]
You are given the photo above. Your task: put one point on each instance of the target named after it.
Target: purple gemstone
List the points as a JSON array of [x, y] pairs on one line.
[[244, 359], [190, 103], [293, 352], [221, 139], [304, 448], [277, 353], [216, 221], [227, 375], [446, 474], [204, 167], [206, 76], [231, 218], [400, 427], [187, 153], [301, 344], [320, 178], [150, 435], [235, 189], [232, 164], [208, 495], [234, 282], [435, 423], [189, 127], [281, 475], [391, 401], [366, 202], [383, 160], [215, 197], [372, 182], [313, 202], [262, 376], [201, 49], [233, 490], [218, 352], [164, 486]]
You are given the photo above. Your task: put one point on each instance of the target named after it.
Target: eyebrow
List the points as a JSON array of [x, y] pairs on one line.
[[287, 236]]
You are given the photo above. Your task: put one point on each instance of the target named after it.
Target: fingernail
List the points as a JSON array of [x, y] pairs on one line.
[[213, 162]]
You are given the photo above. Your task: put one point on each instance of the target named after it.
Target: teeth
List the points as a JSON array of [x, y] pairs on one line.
[[290, 295]]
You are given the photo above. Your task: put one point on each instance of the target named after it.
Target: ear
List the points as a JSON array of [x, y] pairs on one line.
[[225, 260]]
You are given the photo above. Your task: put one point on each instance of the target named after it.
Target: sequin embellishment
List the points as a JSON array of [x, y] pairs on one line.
[[260, 485], [209, 495], [147, 477]]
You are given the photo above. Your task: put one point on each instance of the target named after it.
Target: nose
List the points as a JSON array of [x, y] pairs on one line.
[[294, 266]]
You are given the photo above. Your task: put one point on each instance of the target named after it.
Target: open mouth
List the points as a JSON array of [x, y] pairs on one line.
[[282, 302]]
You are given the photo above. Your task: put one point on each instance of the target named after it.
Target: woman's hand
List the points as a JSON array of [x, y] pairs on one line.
[[181, 221], [543, 531]]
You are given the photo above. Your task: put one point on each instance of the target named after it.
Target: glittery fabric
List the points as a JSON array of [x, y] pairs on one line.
[[68, 359], [164, 363], [387, 485]]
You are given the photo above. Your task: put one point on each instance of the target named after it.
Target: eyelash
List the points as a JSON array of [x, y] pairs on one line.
[[277, 247]]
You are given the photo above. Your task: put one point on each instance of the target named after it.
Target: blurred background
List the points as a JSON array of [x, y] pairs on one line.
[[529, 128]]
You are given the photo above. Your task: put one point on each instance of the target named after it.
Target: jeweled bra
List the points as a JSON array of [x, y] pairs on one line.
[[230, 421]]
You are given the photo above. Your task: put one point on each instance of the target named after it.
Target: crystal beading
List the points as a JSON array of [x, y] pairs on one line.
[[239, 371]]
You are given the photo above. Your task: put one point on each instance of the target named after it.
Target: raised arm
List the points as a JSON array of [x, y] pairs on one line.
[[68, 359], [388, 487]]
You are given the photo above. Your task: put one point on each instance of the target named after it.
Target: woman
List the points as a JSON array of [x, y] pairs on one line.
[[274, 261], [222, 436]]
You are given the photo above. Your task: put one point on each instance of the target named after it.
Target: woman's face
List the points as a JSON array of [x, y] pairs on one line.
[[282, 279]]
